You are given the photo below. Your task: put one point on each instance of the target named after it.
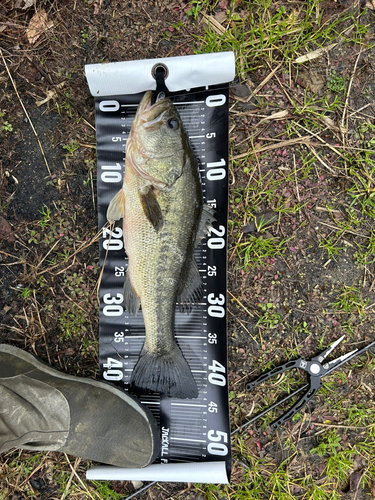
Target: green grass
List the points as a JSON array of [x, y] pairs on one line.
[[258, 250], [276, 32], [350, 301]]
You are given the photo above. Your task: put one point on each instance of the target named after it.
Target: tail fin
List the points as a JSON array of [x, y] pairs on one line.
[[168, 374]]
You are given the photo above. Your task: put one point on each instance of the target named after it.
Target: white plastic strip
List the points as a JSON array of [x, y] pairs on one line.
[[200, 472], [184, 73]]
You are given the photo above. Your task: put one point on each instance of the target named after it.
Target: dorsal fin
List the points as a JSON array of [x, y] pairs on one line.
[[207, 218]]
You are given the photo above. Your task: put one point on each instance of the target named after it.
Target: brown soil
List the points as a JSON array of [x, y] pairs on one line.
[[48, 304]]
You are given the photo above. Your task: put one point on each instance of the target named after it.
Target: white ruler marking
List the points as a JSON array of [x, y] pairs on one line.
[[188, 439], [188, 404]]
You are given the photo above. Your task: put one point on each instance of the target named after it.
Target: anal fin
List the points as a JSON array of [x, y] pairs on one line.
[[192, 290], [131, 299]]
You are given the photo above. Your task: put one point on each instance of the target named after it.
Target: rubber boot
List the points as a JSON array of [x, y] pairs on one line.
[[43, 409]]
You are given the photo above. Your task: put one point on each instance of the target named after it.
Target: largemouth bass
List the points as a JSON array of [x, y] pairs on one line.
[[164, 219]]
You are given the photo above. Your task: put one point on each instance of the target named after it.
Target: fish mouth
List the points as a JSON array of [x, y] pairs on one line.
[[149, 112]]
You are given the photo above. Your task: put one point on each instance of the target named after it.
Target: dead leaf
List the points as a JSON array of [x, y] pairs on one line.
[[38, 24], [27, 4], [216, 26], [312, 80], [221, 16], [69, 351], [372, 485], [314, 54], [355, 478], [275, 116], [240, 90], [50, 95], [137, 484], [5, 230], [332, 125]]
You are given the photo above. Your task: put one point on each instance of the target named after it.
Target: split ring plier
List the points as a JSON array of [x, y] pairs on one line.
[[315, 369]]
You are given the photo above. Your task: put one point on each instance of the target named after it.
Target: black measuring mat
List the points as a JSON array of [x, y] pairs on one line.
[[192, 430]]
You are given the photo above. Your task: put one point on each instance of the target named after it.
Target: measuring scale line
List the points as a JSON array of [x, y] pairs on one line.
[[192, 423], [191, 458], [179, 460], [182, 103], [191, 419], [189, 404], [191, 454], [191, 413], [188, 337], [189, 440]]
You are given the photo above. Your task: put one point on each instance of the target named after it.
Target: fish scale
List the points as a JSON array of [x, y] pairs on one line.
[[194, 426]]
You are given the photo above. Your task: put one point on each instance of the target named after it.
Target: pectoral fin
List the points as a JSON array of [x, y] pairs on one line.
[[116, 208], [151, 207]]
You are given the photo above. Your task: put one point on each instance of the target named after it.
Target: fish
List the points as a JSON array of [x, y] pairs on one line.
[[164, 220]]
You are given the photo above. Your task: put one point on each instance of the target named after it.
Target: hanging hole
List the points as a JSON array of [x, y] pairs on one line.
[[161, 70]]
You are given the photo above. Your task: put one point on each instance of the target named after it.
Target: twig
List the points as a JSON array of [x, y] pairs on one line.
[[49, 251], [311, 148], [283, 144], [343, 230], [68, 484], [76, 475], [41, 327], [84, 245], [235, 247], [26, 113], [240, 303], [140, 491], [295, 178], [355, 427], [261, 85], [285, 92], [320, 139], [361, 109], [111, 225], [92, 189], [349, 89], [215, 25], [243, 326]]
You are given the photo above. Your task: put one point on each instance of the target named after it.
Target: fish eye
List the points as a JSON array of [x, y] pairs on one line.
[[173, 124]]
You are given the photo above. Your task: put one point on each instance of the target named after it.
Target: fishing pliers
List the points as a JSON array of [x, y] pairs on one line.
[[316, 369]]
